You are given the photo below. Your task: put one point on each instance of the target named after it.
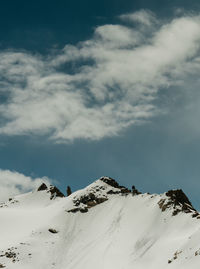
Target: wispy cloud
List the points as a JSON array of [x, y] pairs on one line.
[[145, 17], [99, 87], [13, 183]]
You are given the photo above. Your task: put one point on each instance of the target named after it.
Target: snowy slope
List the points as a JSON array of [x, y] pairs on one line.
[[103, 226]]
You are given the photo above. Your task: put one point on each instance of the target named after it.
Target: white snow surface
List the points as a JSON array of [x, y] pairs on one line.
[[124, 232]]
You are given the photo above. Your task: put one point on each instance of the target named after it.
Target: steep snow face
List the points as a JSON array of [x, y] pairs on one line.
[[104, 226]]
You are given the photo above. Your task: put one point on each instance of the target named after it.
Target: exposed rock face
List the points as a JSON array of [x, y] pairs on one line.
[[178, 201], [90, 200], [69, 191], [97, 194], [83, 203], [55, 192], [178, 197], [53, 231], [43, 187], [11, 254], [135, 191], [110, 181]]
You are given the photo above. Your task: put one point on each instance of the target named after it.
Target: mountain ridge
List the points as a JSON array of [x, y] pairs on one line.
[[104, 225], [176, 197]]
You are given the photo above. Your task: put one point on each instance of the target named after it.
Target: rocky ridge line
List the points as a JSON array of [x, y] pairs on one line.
[[179, 202], [99, 193]]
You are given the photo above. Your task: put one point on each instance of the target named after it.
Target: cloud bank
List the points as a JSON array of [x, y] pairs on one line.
[[14, 183], [101, 86]]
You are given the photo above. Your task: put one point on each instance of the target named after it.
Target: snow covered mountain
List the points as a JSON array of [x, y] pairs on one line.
[[104, 226]]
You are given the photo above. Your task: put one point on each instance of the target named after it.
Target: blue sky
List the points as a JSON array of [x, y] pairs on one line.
[[93, 88]]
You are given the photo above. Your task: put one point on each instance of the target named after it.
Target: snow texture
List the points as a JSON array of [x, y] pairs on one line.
[[104, 226]]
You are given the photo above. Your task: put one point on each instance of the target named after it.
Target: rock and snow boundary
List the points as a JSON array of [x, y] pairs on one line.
[[104, 226]]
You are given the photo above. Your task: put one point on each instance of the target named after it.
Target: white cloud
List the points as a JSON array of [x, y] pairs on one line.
[[145, 17], [101, 86], [13, 183]]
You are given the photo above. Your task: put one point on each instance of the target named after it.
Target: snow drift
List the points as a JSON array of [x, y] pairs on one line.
[[104, 226]]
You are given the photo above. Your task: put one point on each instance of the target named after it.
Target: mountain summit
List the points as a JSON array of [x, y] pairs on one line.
[[103, 226]]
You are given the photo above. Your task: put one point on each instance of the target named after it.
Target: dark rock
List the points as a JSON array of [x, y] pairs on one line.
[[196, 214], [135, 191], [101, 200], [113, 192], [53, 231], [179, 197], [89, 200], [74, 210], [110, 181], [76, 202], [179, 202], [78, 209], [91, 204], [125, 190], [55, 192], [113, 183], [69, 192], [42, 187], [175, 212], [10, 254], [95, 197], [84, 210]]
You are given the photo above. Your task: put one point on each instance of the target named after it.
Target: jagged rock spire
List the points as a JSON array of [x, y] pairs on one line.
[[42, 187], [69, 191], [55, 192], [178, 201]]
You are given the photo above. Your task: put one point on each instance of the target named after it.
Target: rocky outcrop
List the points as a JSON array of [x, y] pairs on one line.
[[113, 183], [90, 200], [135, 191], [53, 190], [178, 201], [53, 231], [42, 187], [11, 254], [69, 191], [84, 202], [178, 197], [97, 194]]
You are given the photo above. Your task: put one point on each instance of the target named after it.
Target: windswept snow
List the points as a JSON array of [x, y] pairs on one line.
[[102, 226]]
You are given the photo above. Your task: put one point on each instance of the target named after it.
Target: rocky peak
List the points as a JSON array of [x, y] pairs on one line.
[[42, 187], [53, 190], [98, 192], [178, 197], [113, 183], [178, 201], [110, 181]]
